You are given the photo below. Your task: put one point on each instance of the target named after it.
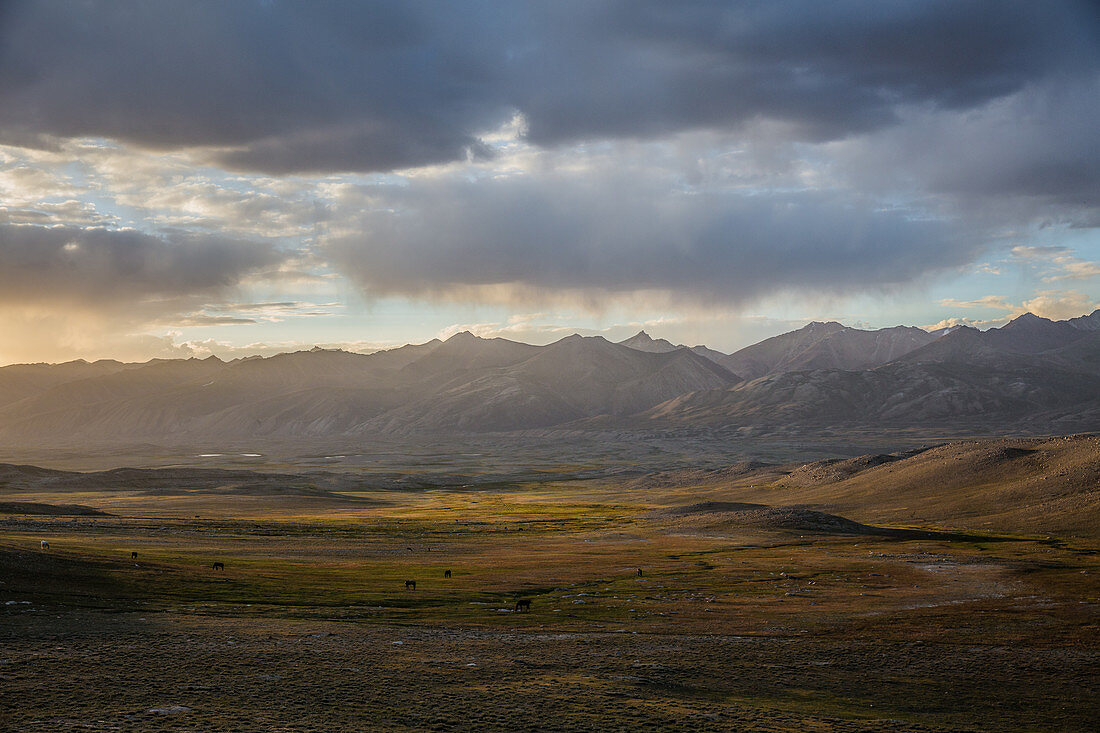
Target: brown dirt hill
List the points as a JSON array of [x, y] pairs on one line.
[[720, 516], [1040, 485], [66, 510], [175, 481], [832, 470], [1045, 485]]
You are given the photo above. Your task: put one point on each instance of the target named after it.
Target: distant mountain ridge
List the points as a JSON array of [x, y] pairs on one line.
[[825, 346], [463, 383], [642, 341], [1030, 373], [1033, 372]]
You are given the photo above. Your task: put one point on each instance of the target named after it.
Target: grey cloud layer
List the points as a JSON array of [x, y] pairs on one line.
[[376, 86], [829, 69], [103, 268], [1035, 154], [970, 112], [289, 86], [568, 233]]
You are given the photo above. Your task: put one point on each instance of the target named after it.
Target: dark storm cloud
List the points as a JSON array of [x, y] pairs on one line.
[[569, 234], [377, 86], [292, 86], [1033, 156], [829, 69], [96, 268], [966, 106]]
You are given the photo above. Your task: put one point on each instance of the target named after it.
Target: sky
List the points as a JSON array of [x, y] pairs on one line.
[[236, 178]]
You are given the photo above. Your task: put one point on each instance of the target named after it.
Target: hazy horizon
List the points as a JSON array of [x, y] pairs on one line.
[[266, 351]]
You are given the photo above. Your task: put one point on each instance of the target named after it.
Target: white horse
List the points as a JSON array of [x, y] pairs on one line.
[[45, 545]]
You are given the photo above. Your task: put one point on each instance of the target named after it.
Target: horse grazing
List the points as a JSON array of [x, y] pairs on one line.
[[446, 573], [45, 545], [410, 584], [218, 566], [133, 556], [523, 604]]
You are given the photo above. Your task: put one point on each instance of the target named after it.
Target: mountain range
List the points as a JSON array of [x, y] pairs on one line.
[[1031, 375]]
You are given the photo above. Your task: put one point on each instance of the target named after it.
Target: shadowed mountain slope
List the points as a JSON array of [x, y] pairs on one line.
[[1091, 322], [1031, 374], [1026, 341], [642, 341], [464, 383], [20, 381], [825, 346], [571, 379], [895, 395]]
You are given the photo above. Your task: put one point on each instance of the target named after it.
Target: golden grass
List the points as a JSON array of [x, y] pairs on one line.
[[851, 632]]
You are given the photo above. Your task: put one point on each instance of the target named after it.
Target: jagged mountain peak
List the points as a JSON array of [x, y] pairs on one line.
[[827, 325], [463, 337], [1091, 322], [825, 345], [1027, 319], [642, 341], [574, 340]]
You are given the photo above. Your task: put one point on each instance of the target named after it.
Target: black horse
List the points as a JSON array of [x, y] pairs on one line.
[[446, 573], [410, 584], [523, 604], [218, 566]]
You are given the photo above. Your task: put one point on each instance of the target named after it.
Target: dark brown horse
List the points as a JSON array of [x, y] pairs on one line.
[[523, 604], [218, 566], [410, 584], [446, 573]]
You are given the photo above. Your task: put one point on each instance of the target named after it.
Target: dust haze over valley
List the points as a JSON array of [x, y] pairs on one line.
[[1031, 376], [410, 366]]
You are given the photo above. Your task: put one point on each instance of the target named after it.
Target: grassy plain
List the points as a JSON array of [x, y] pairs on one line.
[[727, 627]]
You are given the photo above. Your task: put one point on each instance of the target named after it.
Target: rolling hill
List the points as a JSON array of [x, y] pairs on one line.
[[1015, 484]]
